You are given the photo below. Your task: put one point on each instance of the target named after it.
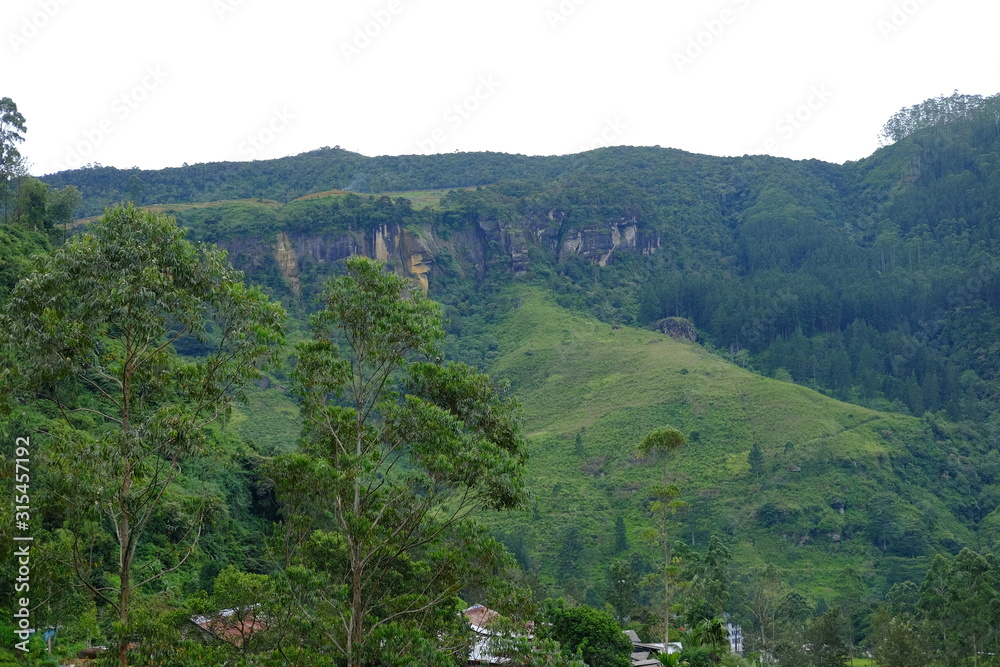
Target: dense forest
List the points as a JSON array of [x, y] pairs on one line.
[[645, 388]]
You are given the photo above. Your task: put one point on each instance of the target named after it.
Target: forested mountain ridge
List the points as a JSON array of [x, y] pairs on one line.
[[874, 282], [826, 271]]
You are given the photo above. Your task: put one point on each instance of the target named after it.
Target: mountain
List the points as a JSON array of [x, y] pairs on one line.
[[839, 484], [869, 292]]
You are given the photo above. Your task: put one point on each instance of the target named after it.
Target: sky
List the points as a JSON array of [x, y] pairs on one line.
[[158, 84]]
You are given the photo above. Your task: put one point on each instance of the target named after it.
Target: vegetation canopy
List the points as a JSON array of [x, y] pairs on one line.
[[400, 452], [90, 336]]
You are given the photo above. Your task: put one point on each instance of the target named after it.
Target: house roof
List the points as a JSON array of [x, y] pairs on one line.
[[480, 616], [228, 626], [645, 649]]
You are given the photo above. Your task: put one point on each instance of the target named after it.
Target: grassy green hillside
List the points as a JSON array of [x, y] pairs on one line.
[[837, 477]]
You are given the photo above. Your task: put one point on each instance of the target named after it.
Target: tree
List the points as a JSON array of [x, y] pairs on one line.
[[515, 647], [895, 642], [570, 555], [663, 441], [712, 632], [399, 454], [134, 187], [621, 590], [763, 598], [755, 459], [621, 536], [714, 578], [243, 594], [960, 598], [850, 598], [258, 620], [934, 111], [12, 131], [63, 203], [90, 338], [592, 635], [32, 204], [826, 637]]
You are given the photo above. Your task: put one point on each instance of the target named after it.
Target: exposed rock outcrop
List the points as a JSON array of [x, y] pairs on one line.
[[678, 328], [492, 241], [599, 243], [288, 262]]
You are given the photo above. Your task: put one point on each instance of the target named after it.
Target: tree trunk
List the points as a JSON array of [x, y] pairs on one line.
[[124, 594], [666, 572], [125, 527], [666, 593], [357, 625]]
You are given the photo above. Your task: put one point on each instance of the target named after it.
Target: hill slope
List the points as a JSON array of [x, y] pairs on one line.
[[841, 484]]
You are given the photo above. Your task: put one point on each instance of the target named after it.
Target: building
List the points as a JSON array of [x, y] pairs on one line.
[[643, 653]]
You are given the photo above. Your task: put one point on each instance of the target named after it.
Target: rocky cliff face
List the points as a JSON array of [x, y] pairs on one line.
[[598, 244], [678, 328], [415, 253], [288, 262], [555, 233]]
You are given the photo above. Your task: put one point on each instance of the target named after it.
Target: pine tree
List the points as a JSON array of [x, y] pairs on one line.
[[756, 460], [621, 539]]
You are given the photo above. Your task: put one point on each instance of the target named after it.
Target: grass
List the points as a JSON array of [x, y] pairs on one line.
[[574, 374], [163, 208], [269, 419], [419, 198]]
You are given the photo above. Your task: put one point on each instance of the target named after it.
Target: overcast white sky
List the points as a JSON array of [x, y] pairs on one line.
[[156, 84]]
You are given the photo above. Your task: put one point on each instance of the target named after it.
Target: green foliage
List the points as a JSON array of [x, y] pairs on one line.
[[12, 130], [63, 203], [827, 642], [623, 383], [661, 441], [933, 112], [956, 597], [17, 245], [621, 590], [895, 642], [873, 282], [89, 335], [621, 537], [592, 635], [755, 461], [31, 206], [510, 642], [399, 453]]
